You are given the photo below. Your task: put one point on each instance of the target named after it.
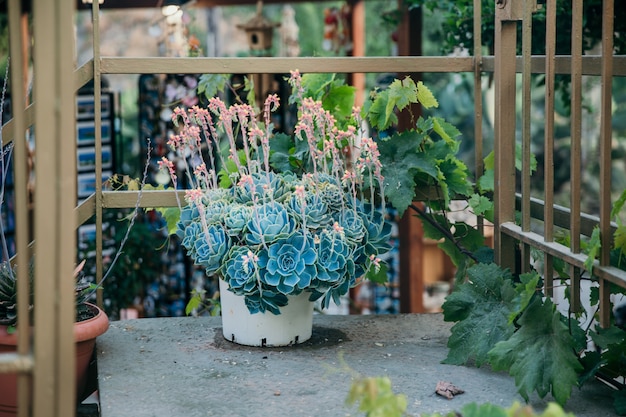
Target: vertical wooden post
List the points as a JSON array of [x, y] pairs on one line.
[[606, 134], [410, 227], [55, 199], [357, 23], [19, 68], [507, 14]]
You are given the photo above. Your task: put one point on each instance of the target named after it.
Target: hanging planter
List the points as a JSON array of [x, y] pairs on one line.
[[292, 326]]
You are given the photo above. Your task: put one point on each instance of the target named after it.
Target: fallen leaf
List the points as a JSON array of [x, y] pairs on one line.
[[446, 389]]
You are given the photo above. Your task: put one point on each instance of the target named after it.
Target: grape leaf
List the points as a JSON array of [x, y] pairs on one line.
[[377, 115], [486, 181], [483, 410], [480, 204], [211, 84], [527, 288], [249, 88], [401, 94], [340, 101], [619, 239], [619, 403], [425, 96], [540, 355], [448, 132], [455, 176], [617, 207], [315, 84], [593, 248], [380, 276], [481, 307], [171, 216], [400, 163]]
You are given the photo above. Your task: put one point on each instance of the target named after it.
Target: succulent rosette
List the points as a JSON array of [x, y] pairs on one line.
[[236, 219], [241, 268], [289, 264], [273, 231], [209, 248], [261, 187], [334, 258], [269, 222], [378, 231], [310, 211]]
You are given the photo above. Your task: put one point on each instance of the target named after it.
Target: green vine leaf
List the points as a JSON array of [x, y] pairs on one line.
[[448, 132], [481, 307], [593, 248], [376, 398], [540, 355], [249, 88], [171, 216], [619, 403], [211, 84], [425, 96], [527, 289], [340, 101], [378, 276], [480, 204], [376, 112], [617, 207], [400, 162], [619, 239], [401, 94]]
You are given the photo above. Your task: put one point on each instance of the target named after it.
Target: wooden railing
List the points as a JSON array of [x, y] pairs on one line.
[[56, 81]]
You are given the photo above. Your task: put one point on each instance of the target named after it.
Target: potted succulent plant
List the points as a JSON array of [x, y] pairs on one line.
[[91, 322], [279, 238]]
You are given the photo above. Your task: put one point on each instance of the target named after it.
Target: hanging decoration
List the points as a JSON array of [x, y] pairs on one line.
[[338, 29]]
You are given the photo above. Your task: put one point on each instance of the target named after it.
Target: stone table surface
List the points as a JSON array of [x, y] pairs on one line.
[[183, 367]]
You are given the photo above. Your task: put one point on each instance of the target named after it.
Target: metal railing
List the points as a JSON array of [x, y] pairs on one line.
[[56, 81]]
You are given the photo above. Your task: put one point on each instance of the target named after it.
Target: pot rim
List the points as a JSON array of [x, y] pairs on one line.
[[83, 330]]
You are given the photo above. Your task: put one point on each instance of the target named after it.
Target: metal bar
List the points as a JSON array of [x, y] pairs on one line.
[[606, 133], [55, 197], [504, 143], [403, 64], [576, 148]]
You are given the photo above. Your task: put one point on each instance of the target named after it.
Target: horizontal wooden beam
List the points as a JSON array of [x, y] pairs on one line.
[[591, 64], [611, 274], [162, 65], [147, 198]]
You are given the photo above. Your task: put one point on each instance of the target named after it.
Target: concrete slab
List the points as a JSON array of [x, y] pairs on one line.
[[184, 367]]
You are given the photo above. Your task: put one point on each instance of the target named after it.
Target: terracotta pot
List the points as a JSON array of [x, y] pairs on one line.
[[85, 333]]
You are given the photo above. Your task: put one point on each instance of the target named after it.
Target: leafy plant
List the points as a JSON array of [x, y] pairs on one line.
[[376, 398], [516, 410], [311, 227]]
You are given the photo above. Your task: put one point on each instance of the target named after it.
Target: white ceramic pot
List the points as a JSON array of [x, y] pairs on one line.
[[293, 325]]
